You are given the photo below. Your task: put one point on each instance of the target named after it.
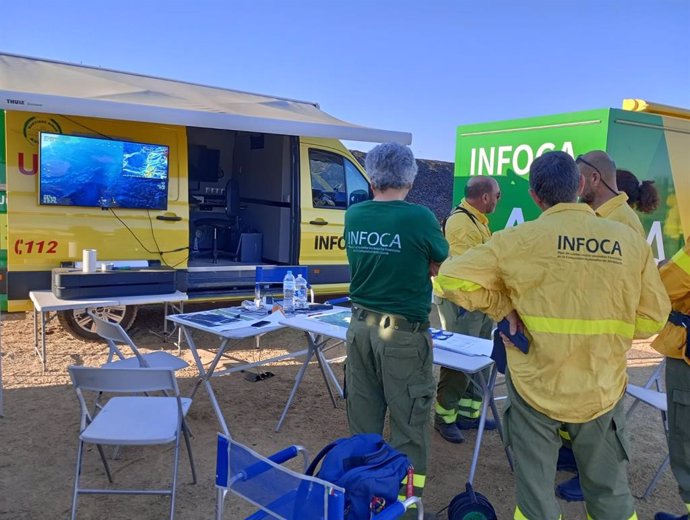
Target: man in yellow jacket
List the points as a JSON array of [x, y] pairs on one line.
[[602, 193], [601, 190], [458, 401], [674, 343], [584, 287]]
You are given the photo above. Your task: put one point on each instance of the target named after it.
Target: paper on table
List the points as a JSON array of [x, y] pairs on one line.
[[468, 345], [272, 319], [217, 318]]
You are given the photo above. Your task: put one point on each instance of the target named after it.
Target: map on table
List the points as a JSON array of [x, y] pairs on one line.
[[215, 317], [339, 319]]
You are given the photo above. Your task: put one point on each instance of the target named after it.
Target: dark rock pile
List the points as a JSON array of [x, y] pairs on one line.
[[433, 186]]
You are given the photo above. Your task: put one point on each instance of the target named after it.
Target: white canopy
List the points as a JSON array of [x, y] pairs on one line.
[[38, 85]]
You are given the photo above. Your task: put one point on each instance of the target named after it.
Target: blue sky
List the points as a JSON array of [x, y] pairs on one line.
[[422, 66]]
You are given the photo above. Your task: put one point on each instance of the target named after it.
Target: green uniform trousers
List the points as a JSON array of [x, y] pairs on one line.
[[601, 450], [456, 396], [390, 368], [678, 396]]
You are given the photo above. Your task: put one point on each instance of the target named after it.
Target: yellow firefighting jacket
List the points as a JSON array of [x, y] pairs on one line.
[[675, 275], [584, 288], [463, 231], [618, 209]]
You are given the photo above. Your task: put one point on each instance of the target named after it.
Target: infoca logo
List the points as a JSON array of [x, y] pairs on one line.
[[373, 239], [589, 245]]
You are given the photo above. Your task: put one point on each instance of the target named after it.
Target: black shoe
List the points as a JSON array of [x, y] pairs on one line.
[[566, 460], [473, 424], [669, 516], [449, 432], [570, 490]]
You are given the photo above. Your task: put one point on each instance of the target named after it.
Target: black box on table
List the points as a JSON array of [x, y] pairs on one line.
[[75, 284]]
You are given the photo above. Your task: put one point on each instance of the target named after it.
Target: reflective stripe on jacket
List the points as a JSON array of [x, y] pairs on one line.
[[675, 275], [584, 287]]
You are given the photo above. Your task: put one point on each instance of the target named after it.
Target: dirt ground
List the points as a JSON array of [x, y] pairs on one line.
[[38, 433]]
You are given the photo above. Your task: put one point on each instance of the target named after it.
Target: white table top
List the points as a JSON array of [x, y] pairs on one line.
[[232, 330], [459, 352], [46, 301]]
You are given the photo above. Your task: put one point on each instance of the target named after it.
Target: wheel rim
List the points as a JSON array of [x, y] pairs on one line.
[[113, 314]]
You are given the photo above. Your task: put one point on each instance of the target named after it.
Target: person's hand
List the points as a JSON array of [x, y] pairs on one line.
[[433, 268], [515, 322]]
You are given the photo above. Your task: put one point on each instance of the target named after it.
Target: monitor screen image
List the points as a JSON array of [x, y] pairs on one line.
[[103, 173]]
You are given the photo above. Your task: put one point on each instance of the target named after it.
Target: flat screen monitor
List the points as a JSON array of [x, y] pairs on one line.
[[204, 163], [102, 173]]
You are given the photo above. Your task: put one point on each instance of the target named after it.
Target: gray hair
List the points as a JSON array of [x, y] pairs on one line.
[[554, 178], [391, 165]]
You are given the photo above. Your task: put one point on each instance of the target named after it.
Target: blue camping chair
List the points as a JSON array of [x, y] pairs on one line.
[[282, 493]]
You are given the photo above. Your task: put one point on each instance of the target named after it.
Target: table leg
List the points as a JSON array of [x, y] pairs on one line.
[[44, 360], [206, 375], [319, 342], [497, 418], [487, 392], [298, 380], [329, 370], [35, 331]]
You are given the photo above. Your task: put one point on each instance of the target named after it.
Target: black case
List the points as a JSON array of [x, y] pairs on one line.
[[74, 284]]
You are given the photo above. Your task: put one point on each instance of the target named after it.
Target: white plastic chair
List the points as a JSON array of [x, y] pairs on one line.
[[132, 420], [115, 335], [652, 393]]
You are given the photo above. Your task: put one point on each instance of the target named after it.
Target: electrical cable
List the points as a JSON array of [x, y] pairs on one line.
[[153, 235], [140, 242], [88, 128]]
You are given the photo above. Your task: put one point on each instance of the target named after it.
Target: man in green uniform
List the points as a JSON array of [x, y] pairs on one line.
[[393, 248], [458, 401]]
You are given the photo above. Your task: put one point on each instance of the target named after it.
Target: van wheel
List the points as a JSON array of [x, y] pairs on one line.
[[80, 325]]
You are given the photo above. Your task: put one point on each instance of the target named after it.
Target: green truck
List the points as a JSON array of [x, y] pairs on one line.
[[648, 139]]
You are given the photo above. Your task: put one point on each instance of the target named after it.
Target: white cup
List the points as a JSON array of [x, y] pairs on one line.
[[89, 260]]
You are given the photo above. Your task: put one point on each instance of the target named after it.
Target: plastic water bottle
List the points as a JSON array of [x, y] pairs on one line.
[[289, 292], [300, 293], [257, 296]]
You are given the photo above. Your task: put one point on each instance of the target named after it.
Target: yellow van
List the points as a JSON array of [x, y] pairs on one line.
[[211, 182]]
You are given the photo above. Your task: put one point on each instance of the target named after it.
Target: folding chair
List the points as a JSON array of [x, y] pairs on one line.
[[282, 493], [652, 393], [115, 335], [130, 420]]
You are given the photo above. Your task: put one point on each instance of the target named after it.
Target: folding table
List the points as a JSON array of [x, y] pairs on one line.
[[456, 351], [228, 324], [46, 302]]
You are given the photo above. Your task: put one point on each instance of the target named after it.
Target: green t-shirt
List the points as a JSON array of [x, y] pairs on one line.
[[389, 247]]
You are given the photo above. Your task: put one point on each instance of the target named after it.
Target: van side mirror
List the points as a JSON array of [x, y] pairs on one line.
[[358, 196]]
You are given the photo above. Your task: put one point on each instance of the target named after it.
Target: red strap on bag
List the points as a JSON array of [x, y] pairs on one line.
[[409, 488]]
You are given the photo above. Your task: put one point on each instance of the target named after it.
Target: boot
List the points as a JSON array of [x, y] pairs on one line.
[[449, 431], [472, 424], [570, 490], [566, 460]]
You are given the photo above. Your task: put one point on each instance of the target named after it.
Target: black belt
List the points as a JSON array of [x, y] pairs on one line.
[[384, 320]]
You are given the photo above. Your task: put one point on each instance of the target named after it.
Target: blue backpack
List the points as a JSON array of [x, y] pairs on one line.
[[366, 467]]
